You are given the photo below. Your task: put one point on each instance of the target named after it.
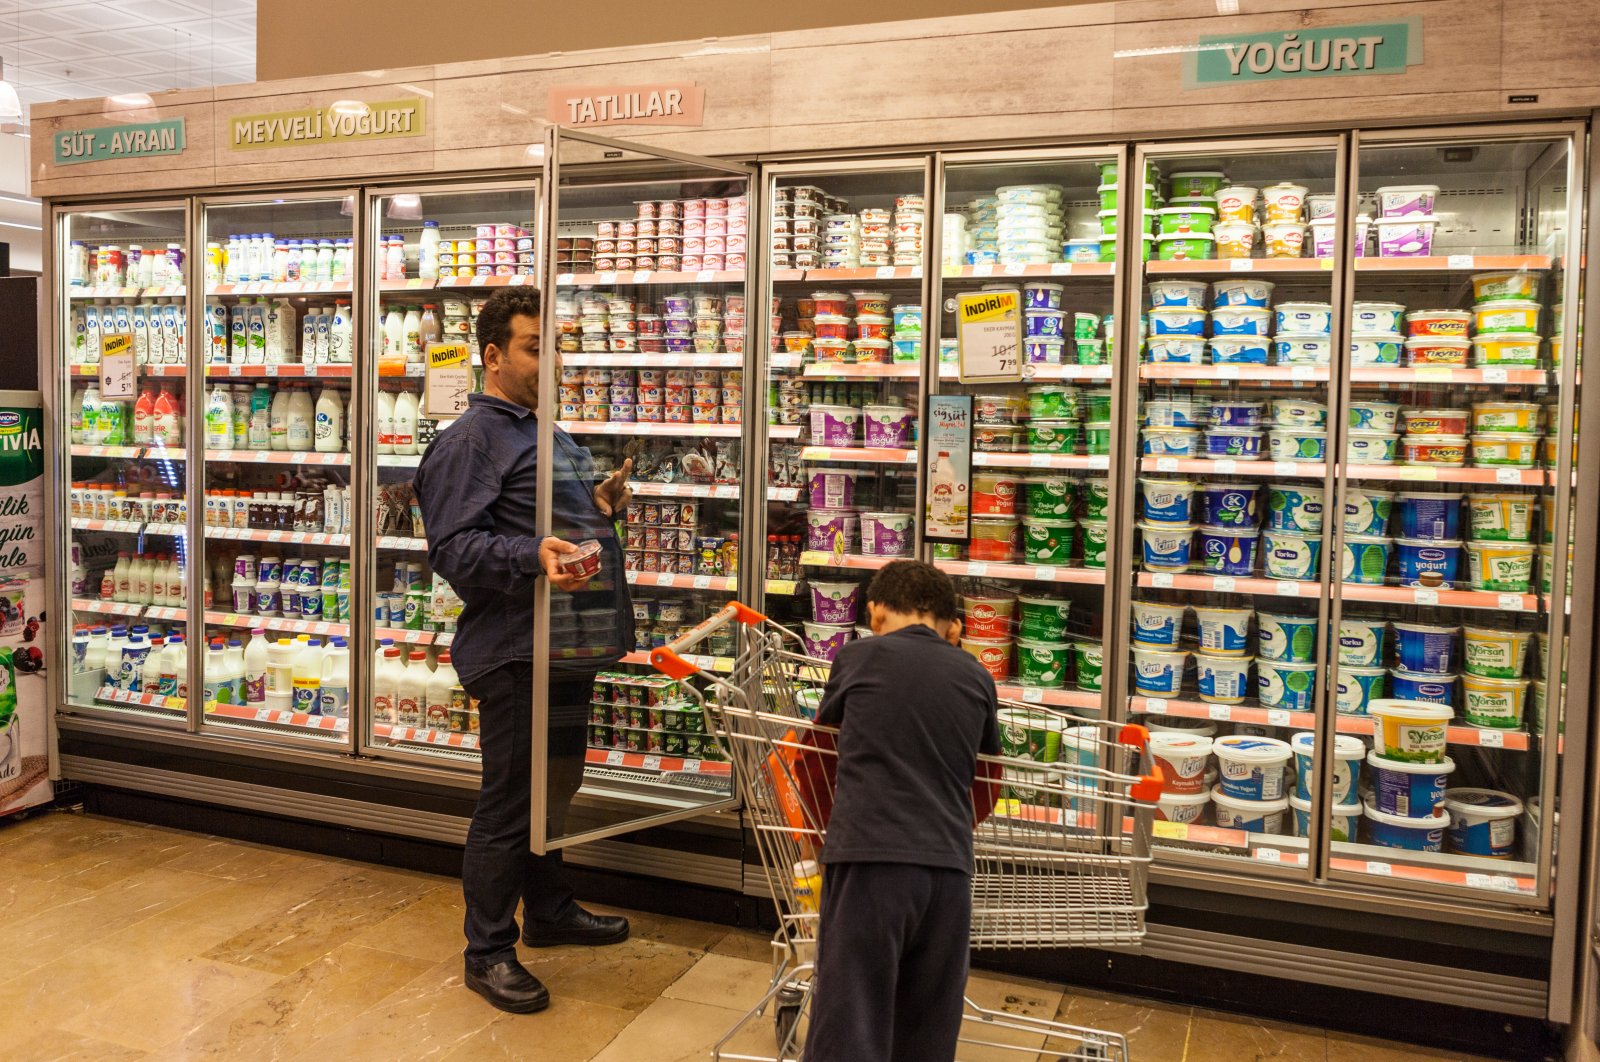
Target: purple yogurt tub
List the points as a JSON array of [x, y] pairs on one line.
[[1410, 237], [833, 489], [835, 425], [888, 426], [886, 534], [828, 528], [824, 640], [835, 603]]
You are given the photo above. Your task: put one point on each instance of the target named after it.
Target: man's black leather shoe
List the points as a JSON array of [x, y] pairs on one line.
[[581, 927], [510, 987]]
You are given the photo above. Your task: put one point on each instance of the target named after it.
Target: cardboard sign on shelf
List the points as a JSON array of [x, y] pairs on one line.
[[449, 380], [989, 336], [116, 366], [948, 507]]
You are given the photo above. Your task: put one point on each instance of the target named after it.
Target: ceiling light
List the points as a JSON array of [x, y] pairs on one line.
[[405, 207], [10, 105], [350, 108], [130, 100]]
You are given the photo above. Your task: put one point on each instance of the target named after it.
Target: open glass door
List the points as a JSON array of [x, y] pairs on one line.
[[645, 324]]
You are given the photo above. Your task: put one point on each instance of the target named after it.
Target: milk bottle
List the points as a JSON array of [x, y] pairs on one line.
[[92, 315], [428, 251], [341, 333], [335, 681], [174, 679], [386, 680], [329, 421], [405, 423], [307, 677], [238, 334], [385, 422], [301, 420], [140, 322], [255, 668], [219, 418], [256, 326], [413, 690], [174, 333], [324, 334], [280, 674]]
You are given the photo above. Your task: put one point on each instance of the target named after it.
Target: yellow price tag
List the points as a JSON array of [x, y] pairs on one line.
[[449, 380]]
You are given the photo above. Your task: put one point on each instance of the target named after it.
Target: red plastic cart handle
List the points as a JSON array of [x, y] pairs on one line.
[[669, 663]]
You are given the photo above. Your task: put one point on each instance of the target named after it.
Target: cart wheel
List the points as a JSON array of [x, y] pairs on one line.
[[786, 1012]]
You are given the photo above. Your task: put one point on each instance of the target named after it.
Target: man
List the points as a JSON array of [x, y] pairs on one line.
[[476, 486]]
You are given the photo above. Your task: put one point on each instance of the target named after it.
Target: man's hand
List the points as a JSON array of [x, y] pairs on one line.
[[551, 552], [613, 494]]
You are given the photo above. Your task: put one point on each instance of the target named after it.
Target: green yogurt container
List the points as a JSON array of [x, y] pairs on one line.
[[1043, 619], [1088, 662], [1185, 220], [1052, 402], [1052, 436], [1094, 534], [1194, 247], [947, 551], [1048, 541], [1091, 351], [1051, 495], [1085, 325], [1096, 496], [1043, 664], [1096, 403], [1097, 437]]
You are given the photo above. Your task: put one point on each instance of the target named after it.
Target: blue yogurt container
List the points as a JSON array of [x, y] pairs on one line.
[[1409, 686], [1426, 648], [1228, 504], [1410, 790], [1398, 831], [1426, 562], [1421, 514]]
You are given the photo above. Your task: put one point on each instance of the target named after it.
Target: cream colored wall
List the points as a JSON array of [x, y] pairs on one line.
[[307, 38]]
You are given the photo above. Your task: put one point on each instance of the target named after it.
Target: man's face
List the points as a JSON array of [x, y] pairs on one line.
[[516, 368]]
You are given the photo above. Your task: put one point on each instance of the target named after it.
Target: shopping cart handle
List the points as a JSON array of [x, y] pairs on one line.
[[1135, 735], [1147, 790], [666, 659]]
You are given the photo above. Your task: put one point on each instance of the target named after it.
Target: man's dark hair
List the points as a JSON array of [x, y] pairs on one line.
[[494, 320], [914, 587]]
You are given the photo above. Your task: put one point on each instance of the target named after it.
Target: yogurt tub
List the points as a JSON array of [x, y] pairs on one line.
[[888, 426], [1376, 348], [1290, 555], [1237, 203], [1222, 679], [1428, 562], [886, 534], [1235, 239], [1043, 618], [1251, 768], [1297, 444], [1243, 444], [1361, 641], [1183, 759], [994, 493], [1182, 807], [1286, 638], [1052, 401], [1494, 703], [997, 438], [1547, 559], [1302, 350], [1506, 315], [1097, 437], [1448, 451], [1158, 672], [1177, 295], [995, 656], [1049, 323], [1483, 822], [1042, 664], [1406, 789], [1175, 350], [1177, 724], [1299, 413], [1407, 200], [1166, 501], [1198, 183], [1433, 689], [1522, 417], [1426, 648], [1367, 511], [1296, 507], [1246, 292], [830, 528], [1448, 324], [1366, 559], [833, 489], [1412, 835], [1235, 413], [1283, 239], [1050, 494], [1342, 824], [1304, 318], [1285, 684], [1504, 449], [824, 640], [1437, 350], [1489, 652], [1356, 687], [1410, 237], [988, 615], [1177, 322], [1228, 504], [1088, 662], [1048, 541], [1413, 731], [1435, 421], [1174, 412], [1427, 514], [1325, 233], [1108, 227], [1518, 285], [995, 538], [1249, 816], [1096, 494], [1224, 631], [1036, 294], [835, 425], [1193, 246], [1239, 350], [1367, 415], [1505, 348], [1157, 626], [835, 602], [1108, 195], [1184, 220], [1371, 447], [1282, 201], [1228, 550], [1052, 436], [1167, 546], [1377, 317], [1241, 321], [1348, 752]]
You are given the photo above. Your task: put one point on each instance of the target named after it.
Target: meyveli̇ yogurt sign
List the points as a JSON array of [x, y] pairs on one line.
[[344, 121], [1329, 51]]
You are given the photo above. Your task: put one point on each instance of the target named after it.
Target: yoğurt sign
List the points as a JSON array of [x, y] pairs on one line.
[[1330, 51], [586, 106], [341, 122]]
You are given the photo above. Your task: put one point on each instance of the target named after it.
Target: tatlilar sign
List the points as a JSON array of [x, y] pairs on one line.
[[584, 106]]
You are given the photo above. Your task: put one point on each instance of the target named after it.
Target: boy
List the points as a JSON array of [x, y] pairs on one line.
[[913, 712]]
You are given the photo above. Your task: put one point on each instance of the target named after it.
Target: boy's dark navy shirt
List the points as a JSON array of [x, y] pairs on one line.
[[913, 713]]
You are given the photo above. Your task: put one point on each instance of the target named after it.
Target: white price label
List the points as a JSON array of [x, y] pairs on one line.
[[1044, 573], [983, 270], [691, 765], [1039, 460], [1166, 464], [1225, 467], [1495, 374], [1015, 269], [1223, 584], [608, 278], [665, 579], [264, 714], [1380, 869], [310, 370], [1061, 269], [885, 272], [702, 360], [977, 569], [1460, 261], [1161, 580], [1228, 372], [705, 276], [641, 276], [702, 582], [564, 279], [1241, 265], [413, 636], [480, 281], [1283, 468], [1277, 717], [1268, 855], [1425, 597], [1286, 588], [272, 536], [1491, 739], [1033, 694], [297, 536], [300, 627], [615, 757], [1099, 461], [1301, 372], [1508, 475], [272, 369], [1219, 711], [1510, 603], [652, 763], [1155, 704]]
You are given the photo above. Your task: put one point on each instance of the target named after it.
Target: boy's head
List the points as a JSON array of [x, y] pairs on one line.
[[907, 592]]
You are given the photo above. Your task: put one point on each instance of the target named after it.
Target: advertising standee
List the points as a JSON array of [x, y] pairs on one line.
[[24, 759]]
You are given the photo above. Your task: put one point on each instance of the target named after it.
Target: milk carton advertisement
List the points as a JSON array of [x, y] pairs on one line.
[[24, 764]]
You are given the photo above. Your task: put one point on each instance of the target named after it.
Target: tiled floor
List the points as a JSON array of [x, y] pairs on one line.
[[120, 942]]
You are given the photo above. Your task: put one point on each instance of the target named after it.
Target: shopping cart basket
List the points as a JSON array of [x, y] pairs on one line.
[[1061, 846]]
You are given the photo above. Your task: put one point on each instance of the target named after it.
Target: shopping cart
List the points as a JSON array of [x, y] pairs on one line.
[[1061, 860]]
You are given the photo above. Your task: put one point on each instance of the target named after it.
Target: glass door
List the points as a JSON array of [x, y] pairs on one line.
[[436, 255], [275, 482], [120, 285], [845, 373], [646, 314], [1457, 548], [1234, 295], [1031, 569]]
